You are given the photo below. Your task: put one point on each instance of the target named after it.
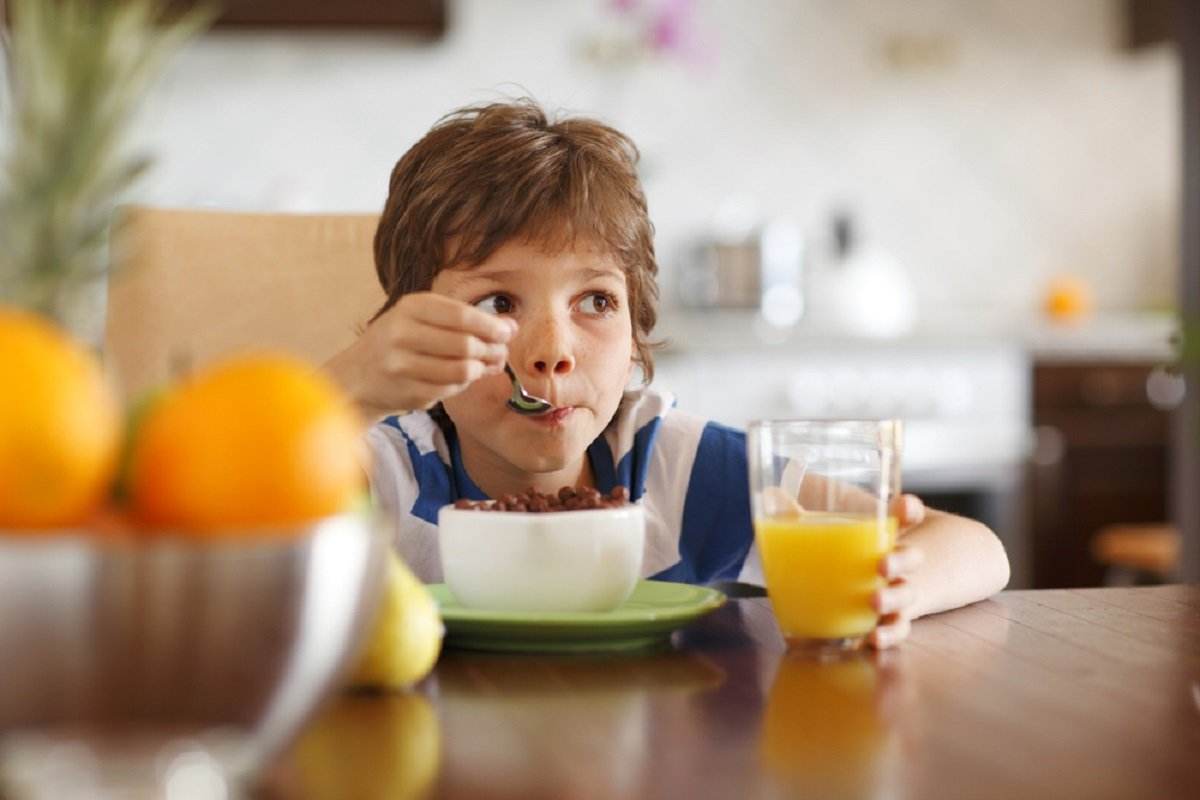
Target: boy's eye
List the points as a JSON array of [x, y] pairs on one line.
[[598, 303], [495, 304]]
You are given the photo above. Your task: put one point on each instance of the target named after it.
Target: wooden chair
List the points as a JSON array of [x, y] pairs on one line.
[[197, 285], [1137, 553]]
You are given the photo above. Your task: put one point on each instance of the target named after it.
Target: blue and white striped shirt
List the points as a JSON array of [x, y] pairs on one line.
[[688, 473]]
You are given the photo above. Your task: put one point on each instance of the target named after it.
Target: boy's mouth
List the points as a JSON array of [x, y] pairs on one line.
[[553, 417]]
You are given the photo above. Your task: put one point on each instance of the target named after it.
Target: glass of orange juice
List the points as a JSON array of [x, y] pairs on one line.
[[820, 495]]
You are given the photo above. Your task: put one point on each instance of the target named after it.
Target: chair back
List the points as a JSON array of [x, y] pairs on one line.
[[197, 285]]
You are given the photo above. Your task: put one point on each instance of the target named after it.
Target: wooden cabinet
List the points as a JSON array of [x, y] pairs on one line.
[[1102, 456], [1149, 22], [420, 17]]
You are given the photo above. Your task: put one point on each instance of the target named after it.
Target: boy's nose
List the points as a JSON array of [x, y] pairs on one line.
[[549, 353], [557, 366]]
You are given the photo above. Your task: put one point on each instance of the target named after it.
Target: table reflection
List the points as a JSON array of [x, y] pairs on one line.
[[526, 727], [367, 746], [828, 729]]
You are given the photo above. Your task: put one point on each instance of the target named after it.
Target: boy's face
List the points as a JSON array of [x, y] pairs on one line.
[[573, 347]]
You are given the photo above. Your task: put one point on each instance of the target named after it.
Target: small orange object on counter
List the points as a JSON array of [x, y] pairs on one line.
[[1067, 299]]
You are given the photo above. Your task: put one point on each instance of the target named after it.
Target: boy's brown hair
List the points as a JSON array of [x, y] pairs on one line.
[[484, 175]]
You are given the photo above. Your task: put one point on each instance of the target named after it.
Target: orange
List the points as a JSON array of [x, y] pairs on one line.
[[1067, 299], [60, 427], [254, 442]]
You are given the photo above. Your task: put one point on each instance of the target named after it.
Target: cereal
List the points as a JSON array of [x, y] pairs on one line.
[[567, 498]]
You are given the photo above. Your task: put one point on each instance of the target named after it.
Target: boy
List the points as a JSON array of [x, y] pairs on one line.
[[507, 237]]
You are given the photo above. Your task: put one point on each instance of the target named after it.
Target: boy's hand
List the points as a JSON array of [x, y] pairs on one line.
[[422, 350], [895, 601]]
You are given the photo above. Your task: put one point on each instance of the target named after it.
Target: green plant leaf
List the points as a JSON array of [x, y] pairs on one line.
[[77, 71]]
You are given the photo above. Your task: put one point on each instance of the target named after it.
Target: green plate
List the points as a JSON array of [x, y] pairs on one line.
[[644, 621]]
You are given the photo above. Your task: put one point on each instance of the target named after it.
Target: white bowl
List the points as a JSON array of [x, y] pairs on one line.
[[551, 561]]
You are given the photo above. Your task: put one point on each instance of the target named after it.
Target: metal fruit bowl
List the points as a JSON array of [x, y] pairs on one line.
[[124, 649]]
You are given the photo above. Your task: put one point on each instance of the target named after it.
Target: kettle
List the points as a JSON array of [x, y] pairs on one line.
[[862, 290]]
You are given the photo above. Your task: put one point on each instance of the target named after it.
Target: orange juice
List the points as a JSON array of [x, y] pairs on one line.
[[821, 570]]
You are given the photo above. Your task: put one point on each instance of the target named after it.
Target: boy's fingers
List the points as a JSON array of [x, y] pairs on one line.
[[891, 631], [442, 373], [443, 343], [903, 560], [908, 509], [446, 312], [894, 598], [914, 509]]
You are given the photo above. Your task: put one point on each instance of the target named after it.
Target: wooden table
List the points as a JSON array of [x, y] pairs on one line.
[[1057, 694]]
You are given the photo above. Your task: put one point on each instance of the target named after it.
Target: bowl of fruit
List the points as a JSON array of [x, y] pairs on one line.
[[178, 592]]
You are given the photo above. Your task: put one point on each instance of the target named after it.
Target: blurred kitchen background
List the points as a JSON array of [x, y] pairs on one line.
[[961, 212]]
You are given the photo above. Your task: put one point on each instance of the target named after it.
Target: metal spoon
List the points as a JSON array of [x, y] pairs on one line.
[[521, 402]]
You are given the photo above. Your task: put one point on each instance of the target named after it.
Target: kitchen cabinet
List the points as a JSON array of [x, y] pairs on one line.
[[419, 17], [1149, 23], [1102, 456]]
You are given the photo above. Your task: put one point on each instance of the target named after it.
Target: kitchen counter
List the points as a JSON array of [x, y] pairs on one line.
[[1111, 336], [1129, 337]]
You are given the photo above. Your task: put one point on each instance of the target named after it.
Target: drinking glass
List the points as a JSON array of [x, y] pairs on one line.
[[821, 491]]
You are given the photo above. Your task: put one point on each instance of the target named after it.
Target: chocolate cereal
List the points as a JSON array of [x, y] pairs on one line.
[[568, 498]]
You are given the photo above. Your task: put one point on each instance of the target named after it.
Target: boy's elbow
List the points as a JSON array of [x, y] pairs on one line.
[[999, 571]]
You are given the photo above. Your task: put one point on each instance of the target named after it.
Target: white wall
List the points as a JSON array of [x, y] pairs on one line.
[[1030, 145]]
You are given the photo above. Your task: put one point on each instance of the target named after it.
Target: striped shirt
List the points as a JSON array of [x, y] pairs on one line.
[[689, 475]]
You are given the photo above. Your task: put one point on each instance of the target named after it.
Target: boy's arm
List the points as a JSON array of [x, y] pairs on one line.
[[963, 561]]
